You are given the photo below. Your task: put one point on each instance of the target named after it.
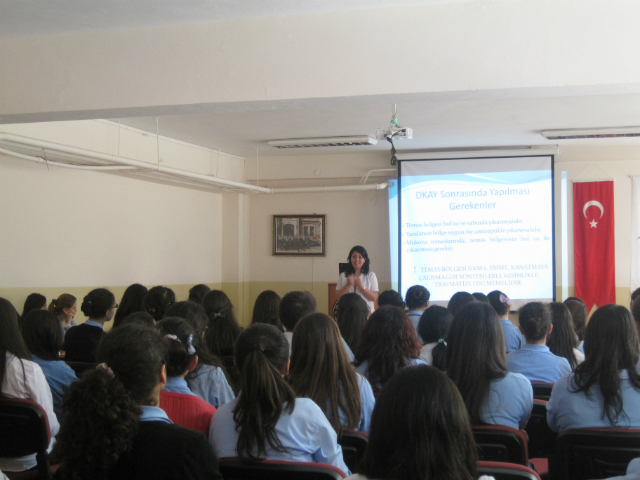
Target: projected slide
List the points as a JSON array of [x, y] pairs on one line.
[[482, 229]]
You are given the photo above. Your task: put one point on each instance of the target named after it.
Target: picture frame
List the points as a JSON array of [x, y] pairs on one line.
[[299, 235]]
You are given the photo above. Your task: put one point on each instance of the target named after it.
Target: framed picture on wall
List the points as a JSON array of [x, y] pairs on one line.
[[299, 235]]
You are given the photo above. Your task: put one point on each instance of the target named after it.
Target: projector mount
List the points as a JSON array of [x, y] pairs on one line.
[[395, 130]]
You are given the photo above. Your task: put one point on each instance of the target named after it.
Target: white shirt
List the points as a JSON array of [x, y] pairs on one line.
[[30, 385], [369, 281]]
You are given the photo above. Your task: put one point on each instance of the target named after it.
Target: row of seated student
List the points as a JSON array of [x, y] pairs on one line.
[[475, 350]]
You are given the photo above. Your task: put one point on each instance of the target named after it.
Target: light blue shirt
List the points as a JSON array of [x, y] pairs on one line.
[[362, 369], [305, 433], [210, 384], [59, 376], [153, 414], [537, 363], [178, 385], [415, 316], [513, 338], [581, 346], [567, 409], [72, 324], [368, 401], [509, 403], [94, 324], [348, 350]]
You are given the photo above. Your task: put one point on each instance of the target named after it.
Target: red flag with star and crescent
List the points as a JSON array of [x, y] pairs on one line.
[[593, 243]]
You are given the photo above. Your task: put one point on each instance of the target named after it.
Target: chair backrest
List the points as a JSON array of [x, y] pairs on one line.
[[541, 438], [24, 430], [497, 443], [507, 471], [594, 453], [353, 445], [236, 469], [542, 390]]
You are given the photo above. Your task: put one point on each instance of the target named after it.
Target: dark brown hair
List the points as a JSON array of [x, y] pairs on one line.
[[42, 334], [265, 310], [58, 305], [534, 320], [562, 339], [578, 315], [222, 328], [353, 312], [10, 339]]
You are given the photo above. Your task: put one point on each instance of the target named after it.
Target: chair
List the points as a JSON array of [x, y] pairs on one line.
[[507, 471], [353, 445], [24, 430], [541, 438], [80, 367], [236, 469], [542, 390], [497, 443], [583, 454]]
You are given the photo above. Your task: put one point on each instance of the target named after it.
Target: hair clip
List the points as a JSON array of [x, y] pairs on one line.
[[441, 340], [190, 349], [219, 314], [172, 337], [258, 347], [87, 303], [103, 367], [504, 299], [54, 302]]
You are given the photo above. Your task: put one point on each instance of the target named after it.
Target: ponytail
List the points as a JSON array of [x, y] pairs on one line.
[[439, 355], [100, 423], [262, 352], [58, 305]]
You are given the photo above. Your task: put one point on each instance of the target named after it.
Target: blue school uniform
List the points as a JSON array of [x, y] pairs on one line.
[[513, 338], [178, 385], [567, 409], [368, 401], [538, 364], [210, 384], [305, 433], [59, 376], [415, 317], [509, 402]]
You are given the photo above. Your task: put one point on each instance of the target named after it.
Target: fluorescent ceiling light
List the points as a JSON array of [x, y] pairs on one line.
[[323, 142], [574, 133]]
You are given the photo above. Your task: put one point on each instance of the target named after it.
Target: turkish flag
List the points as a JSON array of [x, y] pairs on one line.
[[593, 243]]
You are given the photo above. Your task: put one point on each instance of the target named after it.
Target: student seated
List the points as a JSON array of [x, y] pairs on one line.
[[579, 316], [459, 300], [64, 308], [181, 404], [433, 328], [266, 420], [476, 364], [222, 327], [389, 343], [80, 342], [562, 339], [43, 337], [157, 301], [320, 370], [604, 390], [390, 297], [417, 300], [353, 313], [113, 427], [21, 378], [294, 306], [420, 430], [534, 360], [131, 302], [512, 336], [265, 309]]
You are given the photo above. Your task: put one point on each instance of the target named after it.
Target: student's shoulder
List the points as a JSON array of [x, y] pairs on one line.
[[518, 380]]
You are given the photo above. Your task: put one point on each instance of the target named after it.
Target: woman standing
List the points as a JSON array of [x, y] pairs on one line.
[[358, 279]]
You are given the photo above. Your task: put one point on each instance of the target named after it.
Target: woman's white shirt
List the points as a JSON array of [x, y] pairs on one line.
[[24, 379], [369, 281]]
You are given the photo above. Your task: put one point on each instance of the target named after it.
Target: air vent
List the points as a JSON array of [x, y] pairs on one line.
[[573, 134], [323, 142]]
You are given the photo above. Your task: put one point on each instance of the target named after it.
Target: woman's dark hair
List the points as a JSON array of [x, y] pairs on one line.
[[265, 310], [179, 350], [434, 327], [261, 356], [197, 292], [388, 342], [139, 318], [578, 315], [417, 297], [575, 299], [459, 300], [390, 297], [500, 302], [157, 301], [102, 409], [223, 329], [353, 312], [562, 338], [10, 339], [481, 297], [365, 266], [320, 370], [294, 306], [610, 346], [131, 302], [475, 355], [420, 430], [534, 320], [58, 305], [42, 334], [34, 301], [97, 303]]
